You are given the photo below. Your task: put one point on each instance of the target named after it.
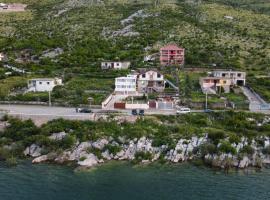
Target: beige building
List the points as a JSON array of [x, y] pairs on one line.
[[150, 81]]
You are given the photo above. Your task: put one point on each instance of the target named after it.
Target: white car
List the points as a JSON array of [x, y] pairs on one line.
[[183, 111]]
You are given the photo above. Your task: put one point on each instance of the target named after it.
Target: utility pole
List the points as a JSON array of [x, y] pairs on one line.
[[206, 98], [50, 100]]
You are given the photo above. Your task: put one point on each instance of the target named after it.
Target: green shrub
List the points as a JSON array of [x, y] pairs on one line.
[[247, 150], [12, 161], [207, 148], [216, 135], [95, 151], [226, 147], [139, 156], [113, 148]]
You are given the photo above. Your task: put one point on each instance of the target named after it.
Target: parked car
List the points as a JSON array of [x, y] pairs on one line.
[[134, 112], [141, 112], [183, 111], [83, 110], [208, 111]]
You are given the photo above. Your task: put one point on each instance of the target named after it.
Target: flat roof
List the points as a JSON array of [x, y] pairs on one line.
[[211, 77], [42, 79]]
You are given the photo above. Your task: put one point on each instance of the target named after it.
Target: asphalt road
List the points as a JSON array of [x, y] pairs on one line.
[[42, 114]]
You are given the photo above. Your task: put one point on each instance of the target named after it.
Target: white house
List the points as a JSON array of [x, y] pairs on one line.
[[126, 85], [43, 84], [115, 65]]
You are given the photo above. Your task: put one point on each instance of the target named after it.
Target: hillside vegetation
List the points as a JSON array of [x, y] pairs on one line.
[[91, 31]]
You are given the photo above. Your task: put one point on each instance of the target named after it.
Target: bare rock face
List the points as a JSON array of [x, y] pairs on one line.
[[89, 161], [106, 155], [33, 151], [76, 153], [58, 136], [40, 159], [244, 163], [100, 144]]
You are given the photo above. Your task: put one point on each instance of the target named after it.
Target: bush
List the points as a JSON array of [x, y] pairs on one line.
[[95, 151], [12, 161], [68, 142], [140, 156], [247, 150], [113, 148], [226, 147], [216, 135], [207, 148]]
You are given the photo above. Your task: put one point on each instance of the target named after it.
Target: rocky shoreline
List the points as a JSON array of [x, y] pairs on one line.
[[92, 153]]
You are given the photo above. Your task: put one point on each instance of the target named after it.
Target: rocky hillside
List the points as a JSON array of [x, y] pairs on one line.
[[89, 31], [69, 38]]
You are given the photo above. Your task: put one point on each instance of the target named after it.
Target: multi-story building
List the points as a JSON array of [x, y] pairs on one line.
[[114, 65], [43, 84], [237, 77], [126, 85], [222, 79], [172, 55], [150, 81]]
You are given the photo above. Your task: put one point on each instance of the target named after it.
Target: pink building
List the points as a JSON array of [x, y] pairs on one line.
[[172, 55]]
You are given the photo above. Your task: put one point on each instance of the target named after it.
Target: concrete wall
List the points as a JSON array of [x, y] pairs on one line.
[[137, 106]]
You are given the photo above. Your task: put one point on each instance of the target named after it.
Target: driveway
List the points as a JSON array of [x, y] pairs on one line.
[[256, 103]]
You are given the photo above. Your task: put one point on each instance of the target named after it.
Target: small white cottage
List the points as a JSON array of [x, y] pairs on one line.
[[43, 84]]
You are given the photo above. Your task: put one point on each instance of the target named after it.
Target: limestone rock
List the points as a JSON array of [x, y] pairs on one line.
[[244, 162], [58, 136], [89, 161], [100, 144], [33, 151], [40, 159]]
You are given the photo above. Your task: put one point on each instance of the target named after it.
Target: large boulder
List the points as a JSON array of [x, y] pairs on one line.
[[58, 136], [89, 161], [77, 152], [33, 151], [40, 159], [106, 155], [64, 157], [244, 163], [100, 144]]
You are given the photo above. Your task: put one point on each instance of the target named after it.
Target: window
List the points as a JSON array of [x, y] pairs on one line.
[[48, 83], [159, 75], [239, 74], [223, 74], [40, 83], [143, 75], [117, 64], [224, 82]]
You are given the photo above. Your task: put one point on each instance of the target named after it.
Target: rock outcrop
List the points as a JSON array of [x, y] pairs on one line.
[[86, 154], [33, 151]]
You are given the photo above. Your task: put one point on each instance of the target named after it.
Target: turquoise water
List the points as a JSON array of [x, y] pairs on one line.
[[122, 181]]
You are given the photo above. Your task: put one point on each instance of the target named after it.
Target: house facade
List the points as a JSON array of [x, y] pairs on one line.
[[126, 85], [211, 85], [150, 81], [114, 65], [237, 77], [222, 79], [172, 55], [43, 84]]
